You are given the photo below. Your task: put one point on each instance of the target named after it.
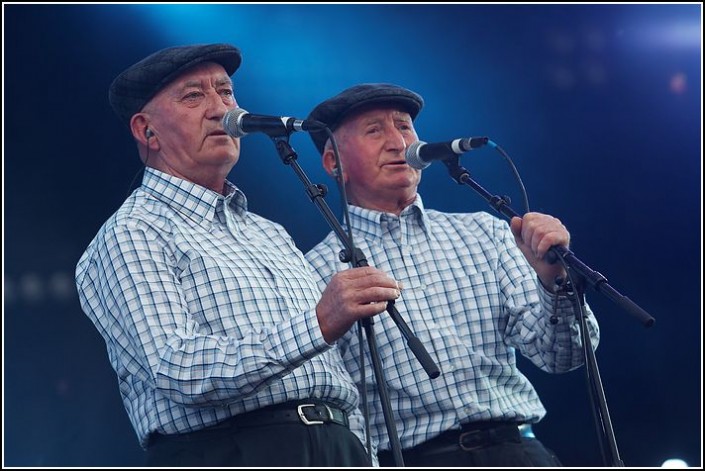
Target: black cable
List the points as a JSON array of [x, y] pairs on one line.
[[340, 183], [134, 179], [338, 175], [514, 170]]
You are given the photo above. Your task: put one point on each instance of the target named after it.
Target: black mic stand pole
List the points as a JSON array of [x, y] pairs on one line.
[[580, 274], [356, 257]]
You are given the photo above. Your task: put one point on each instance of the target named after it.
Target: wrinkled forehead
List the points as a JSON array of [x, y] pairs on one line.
[[203, 73], [374, 111], [200, 76]]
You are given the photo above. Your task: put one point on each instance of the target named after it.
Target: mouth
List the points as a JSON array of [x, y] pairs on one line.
[[217, 133], [395, 163]]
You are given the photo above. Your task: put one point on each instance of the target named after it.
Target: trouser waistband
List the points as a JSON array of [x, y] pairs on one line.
[[305, 412], [470, 437], [302, 412]]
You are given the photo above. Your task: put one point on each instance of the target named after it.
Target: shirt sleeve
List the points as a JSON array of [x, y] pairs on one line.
[[128, 284], [543, 326]]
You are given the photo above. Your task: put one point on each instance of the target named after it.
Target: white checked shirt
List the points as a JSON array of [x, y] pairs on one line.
[[207, 310], [471, 298]]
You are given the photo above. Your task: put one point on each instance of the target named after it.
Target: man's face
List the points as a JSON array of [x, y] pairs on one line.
[[186, 118], [372, 145]]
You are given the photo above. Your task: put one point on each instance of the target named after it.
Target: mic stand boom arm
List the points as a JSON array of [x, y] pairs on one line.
[[355, 255], [591, 277]]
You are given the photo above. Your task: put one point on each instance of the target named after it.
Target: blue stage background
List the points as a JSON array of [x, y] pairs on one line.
[[598, 105]]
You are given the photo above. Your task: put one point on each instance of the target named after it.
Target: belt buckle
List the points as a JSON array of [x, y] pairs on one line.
[[467, 434], [306, 420]]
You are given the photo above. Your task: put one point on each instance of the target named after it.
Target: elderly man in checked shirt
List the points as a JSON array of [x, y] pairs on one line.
[[222, 341], [475, 290]]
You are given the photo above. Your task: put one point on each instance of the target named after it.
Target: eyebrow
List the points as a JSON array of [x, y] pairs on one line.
[[224, 81], [379, 119], [218, 83]]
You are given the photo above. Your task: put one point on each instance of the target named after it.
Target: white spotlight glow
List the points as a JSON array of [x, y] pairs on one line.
[[674, 463]]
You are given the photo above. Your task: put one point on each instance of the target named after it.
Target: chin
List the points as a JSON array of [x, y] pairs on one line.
[[221, 159]]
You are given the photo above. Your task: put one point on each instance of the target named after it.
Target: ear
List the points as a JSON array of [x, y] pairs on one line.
[[139, 126], [328, 161]]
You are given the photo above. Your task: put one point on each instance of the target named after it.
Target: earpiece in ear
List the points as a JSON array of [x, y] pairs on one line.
[[148, 133], [335, 172]]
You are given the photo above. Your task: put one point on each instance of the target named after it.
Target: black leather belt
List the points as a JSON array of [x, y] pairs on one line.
[[307, 413], [301, 412], [470, 437]]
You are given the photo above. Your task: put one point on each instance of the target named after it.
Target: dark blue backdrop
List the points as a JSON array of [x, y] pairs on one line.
[[598, 105]]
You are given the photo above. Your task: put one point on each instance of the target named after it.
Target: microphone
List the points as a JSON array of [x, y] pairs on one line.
[[238, 122], [419, 155]]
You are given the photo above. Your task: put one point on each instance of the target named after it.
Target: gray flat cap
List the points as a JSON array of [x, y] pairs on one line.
[[333, 111], [138, 84]]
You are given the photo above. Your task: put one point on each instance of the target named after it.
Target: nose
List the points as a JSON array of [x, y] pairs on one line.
[[395, 140], [217, 107]]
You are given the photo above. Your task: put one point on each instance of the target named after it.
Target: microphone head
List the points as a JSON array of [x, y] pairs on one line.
[[413, 157], [232, 122]]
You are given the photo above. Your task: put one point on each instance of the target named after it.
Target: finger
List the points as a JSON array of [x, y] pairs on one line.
[[549, 240], [362, 272], [378, 295], [372, 308], [516, 226], [370, 276]]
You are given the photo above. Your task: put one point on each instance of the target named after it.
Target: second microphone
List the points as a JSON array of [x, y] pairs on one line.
[[420, 154]]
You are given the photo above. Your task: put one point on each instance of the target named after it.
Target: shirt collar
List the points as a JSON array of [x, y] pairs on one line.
[[369, 221], [190, 199]]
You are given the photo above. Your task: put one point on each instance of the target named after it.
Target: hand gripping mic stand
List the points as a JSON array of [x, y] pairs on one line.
[[579, 275], [354, 255]]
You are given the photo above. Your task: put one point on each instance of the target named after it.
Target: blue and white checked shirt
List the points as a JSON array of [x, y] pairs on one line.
[[207, 310], [472, 299]]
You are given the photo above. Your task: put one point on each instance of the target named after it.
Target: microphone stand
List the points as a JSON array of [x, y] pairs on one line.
[[578, 274], [354, 255]]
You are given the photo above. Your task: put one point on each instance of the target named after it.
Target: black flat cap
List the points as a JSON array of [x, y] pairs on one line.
[[138, 84], [333, 111]]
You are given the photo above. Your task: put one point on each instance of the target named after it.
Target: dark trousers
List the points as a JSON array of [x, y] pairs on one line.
[[499, 447], [273, 445]]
